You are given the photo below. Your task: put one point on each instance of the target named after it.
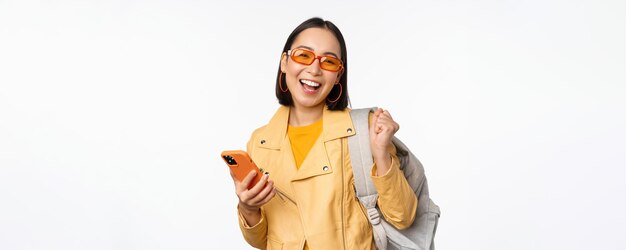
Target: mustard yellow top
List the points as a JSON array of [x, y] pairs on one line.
[[302, 139]]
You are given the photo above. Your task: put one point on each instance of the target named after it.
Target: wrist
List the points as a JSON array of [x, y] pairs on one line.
[[251, 215], [382, 156], [248, 210], [383, 163], [379, 153]]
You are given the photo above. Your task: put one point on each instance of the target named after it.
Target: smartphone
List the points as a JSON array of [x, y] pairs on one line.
[[241, 164]]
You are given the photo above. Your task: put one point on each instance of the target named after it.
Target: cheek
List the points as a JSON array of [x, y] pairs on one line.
[[331, 78], [290, 74], [292, 70], [330, 82]]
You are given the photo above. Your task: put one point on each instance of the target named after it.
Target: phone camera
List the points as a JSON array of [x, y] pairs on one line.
[[230, 160]]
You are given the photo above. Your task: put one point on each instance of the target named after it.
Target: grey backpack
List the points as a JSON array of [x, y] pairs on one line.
[[421, 233]]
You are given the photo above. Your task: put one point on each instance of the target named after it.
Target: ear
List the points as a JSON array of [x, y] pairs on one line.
[[339, 74], [283, 62]]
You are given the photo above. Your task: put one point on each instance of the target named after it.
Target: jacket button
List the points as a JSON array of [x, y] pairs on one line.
[[349, 130], [325, 168], [262, 141]]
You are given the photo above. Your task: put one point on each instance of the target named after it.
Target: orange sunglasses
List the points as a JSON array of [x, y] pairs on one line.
[[307, 57]]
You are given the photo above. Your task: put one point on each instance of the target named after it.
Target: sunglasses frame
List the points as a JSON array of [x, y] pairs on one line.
[[316, 57]]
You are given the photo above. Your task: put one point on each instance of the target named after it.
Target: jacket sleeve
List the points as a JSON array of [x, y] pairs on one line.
[[255, 235], [396, 198]]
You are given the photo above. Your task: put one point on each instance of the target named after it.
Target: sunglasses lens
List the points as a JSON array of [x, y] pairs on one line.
[[330, 63], [303, 56]]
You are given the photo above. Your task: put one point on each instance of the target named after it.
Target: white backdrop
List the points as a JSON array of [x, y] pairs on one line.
[[113, 115]]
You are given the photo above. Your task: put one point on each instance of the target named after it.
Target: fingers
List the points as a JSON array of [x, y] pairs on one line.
[[382, 121], [263, 195], [259, 185], [386, 113], [378, 111], [374, 128], [269, 196], [259, 194], [245, 182]]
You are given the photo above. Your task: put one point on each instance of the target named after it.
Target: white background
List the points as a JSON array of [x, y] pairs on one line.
[[113, 115]]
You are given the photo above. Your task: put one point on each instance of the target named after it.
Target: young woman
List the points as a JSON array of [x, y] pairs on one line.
[[310, 201]]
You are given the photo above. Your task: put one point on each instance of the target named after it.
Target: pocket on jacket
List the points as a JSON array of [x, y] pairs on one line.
[[273, 244]]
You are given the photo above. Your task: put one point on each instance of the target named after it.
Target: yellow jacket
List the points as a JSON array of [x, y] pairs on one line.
[[317, 203]]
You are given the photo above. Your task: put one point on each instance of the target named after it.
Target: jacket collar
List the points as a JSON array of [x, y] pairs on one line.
[[336, 124]]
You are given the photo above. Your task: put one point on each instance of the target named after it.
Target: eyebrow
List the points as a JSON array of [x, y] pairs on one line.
[[311, 49]]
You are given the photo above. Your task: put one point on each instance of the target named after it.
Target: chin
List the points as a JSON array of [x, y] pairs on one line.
[[310, 103]]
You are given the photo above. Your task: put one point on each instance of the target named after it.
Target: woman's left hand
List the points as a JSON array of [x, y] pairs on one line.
[[381, 132]]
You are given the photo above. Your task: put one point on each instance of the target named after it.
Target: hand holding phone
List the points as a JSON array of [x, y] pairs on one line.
[[240, 165], [252, 197]]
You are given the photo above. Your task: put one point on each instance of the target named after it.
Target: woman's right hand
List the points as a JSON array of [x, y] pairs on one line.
[[251, 200]]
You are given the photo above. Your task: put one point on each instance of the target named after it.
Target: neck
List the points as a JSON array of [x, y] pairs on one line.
[[302, 116]]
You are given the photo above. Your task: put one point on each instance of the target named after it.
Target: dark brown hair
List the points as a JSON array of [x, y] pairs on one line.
[[284, 98]]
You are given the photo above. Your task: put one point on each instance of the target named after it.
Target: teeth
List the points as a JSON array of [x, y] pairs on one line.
[[310, 83]]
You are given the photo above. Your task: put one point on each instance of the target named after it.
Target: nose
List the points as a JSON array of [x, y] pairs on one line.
[[314, 68]]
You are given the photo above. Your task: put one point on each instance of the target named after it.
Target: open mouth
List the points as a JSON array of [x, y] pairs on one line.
[[310, 87]]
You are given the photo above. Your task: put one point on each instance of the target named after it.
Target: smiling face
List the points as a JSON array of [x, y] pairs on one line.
[[309, 84]]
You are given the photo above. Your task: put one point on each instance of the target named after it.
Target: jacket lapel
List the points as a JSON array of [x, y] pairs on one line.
[[316, 162], [336, 124], [274, 137], [275, 131]]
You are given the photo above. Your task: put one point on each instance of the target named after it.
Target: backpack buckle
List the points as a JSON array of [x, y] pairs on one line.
[[374, 216]]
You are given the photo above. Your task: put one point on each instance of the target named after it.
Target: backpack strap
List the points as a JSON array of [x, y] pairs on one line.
[[362, 162]]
